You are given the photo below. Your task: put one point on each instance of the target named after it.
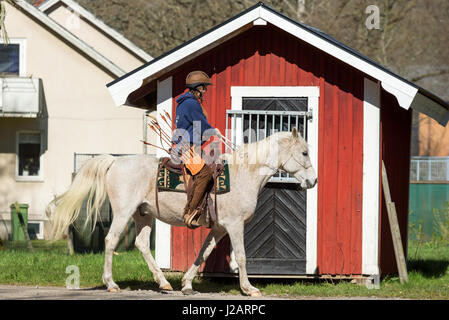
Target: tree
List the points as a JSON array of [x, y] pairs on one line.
[[3, 33]]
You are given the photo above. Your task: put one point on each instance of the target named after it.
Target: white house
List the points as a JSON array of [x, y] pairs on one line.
[[54, 102]]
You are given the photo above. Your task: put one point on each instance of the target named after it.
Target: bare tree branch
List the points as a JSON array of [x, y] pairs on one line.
[[430, 74]]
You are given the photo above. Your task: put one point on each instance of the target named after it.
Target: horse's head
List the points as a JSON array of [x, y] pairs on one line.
[[294, 159]]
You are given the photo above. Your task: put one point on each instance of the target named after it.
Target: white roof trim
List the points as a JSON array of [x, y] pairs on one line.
[[123, 88], [100, 25], [404, 91], [47, 4], [70, 38]]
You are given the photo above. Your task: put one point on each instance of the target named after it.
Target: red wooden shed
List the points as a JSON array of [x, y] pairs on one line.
[[354, 114]]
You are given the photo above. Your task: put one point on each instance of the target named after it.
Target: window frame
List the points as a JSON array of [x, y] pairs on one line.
[[40, 177], [22, 53], [40, 234]]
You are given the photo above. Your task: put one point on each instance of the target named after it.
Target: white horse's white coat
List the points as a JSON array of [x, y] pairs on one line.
[[130, 180]]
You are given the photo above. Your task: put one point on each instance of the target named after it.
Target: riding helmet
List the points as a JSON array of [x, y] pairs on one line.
[[197, 78]]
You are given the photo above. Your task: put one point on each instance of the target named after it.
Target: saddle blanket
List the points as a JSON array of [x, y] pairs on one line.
[[170, 181]]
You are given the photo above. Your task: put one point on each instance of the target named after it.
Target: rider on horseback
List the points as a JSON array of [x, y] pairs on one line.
[[191, 123]]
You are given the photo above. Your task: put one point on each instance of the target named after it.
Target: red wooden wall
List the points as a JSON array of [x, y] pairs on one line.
[[267, 56], [396, 124]]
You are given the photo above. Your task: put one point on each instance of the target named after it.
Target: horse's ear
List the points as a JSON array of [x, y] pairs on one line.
[[295, 133]]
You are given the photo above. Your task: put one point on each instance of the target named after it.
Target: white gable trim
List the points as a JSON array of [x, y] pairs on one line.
[[100, 25], [70, 38], [120, 90], [404, 92]]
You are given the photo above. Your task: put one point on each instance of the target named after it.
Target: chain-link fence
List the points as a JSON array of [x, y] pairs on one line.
[[429, 169]]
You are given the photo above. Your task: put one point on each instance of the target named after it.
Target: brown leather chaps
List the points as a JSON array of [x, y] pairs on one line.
[[202, 182]]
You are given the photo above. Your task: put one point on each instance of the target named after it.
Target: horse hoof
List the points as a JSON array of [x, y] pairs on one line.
[[114, 289], [166, 287], [188, 292], [255, 293]]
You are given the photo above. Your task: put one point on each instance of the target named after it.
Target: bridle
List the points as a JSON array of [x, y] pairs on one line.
[[291, 156], [285, 162]]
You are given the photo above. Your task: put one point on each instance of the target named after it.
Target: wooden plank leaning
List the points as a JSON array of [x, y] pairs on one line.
[[394, 227]]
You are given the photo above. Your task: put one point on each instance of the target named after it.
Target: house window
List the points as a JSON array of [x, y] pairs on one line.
[[29, 155], [36, 230], [12, 58]]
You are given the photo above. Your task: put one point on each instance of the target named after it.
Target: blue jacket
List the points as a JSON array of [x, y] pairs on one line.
[[190, 117]]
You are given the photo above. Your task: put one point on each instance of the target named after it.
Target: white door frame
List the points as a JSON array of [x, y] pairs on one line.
[[163, 230], [371, 178], [313, 94]]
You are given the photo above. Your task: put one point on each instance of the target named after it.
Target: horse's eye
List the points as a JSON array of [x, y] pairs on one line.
[[305, 153]]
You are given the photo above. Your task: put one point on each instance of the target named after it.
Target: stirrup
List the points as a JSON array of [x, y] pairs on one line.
[[191, 219]]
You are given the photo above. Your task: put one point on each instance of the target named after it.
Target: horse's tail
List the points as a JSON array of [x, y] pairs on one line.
[[89, 181]]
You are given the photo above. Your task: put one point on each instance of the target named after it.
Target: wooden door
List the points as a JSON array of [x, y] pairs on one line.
[[275, 239]]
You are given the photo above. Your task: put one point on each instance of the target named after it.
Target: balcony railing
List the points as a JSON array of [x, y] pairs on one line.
[[20, 97]]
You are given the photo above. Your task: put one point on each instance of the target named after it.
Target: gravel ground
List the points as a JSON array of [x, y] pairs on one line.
[[61, 293], [8, 292]]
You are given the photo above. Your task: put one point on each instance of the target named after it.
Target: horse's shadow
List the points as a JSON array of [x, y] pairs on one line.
[[201, 285], [132, 285]]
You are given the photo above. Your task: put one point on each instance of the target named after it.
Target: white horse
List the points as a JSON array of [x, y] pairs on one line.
[[129, 181]]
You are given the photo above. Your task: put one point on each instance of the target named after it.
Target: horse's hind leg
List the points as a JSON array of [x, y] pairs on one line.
[[212, 239], [143, 231], [117, 226]]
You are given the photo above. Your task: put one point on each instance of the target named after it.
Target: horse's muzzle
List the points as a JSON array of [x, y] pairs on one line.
[[309, 183], [312, 183]]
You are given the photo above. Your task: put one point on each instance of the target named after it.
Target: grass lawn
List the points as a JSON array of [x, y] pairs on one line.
[[428, 269]]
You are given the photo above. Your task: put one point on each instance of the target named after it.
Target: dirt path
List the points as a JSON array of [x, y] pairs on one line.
[[61, 293], [8, 292]]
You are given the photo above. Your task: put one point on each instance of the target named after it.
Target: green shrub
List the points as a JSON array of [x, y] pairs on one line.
[[441, 226]]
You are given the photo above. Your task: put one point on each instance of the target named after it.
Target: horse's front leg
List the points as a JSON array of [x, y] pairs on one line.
[[235, 231], [212, 239]]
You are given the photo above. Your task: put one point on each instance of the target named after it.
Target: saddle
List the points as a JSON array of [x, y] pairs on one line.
[[173, 177]]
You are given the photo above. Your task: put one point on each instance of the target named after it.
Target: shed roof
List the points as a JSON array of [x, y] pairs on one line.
[[407, 93]]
